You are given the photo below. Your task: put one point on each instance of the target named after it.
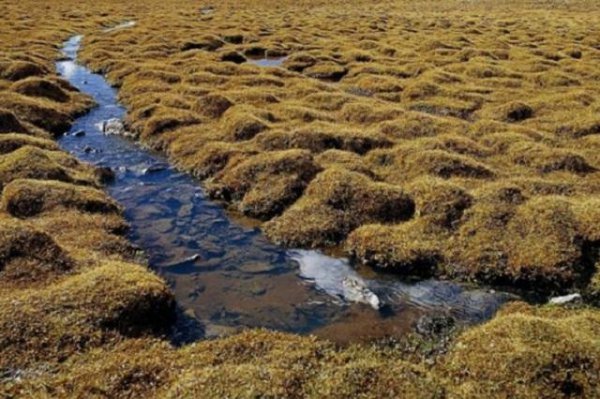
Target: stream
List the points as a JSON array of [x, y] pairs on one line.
[[224, 273]]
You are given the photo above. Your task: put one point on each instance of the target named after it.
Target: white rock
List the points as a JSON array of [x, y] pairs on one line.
[[355, 290], [115, 126], [561, 300], [335, 276]]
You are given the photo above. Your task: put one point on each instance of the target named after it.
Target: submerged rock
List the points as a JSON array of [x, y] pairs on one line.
[[257, 267], [115, 126], [356, 290]]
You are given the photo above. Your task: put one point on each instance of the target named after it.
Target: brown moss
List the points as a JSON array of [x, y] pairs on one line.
[[167, 120], [414, 125], [17, 70], [299, 61], [12, 141], [530, 353], [37, 112], [368, 113], [212, 105], [28, 256], [326, 71], [345, 160], [405, 165], [10, 123], [208, 43], [240, 125], [516, 112], [548, 160], [376, 378], [39, 87], [26, 198], [84, 310], [440, 202], [321, 137], [253, 363], [336, 202], [463, 81], [411, 248], [34, 163], [580, 128], [535, 243], [265, 184]]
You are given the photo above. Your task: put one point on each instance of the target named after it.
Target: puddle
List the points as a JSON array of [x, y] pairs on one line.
[[225, 273], [267, 62]]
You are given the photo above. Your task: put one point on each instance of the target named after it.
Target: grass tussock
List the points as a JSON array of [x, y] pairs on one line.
[[30, 162], [265, 187], [340, 200], [10, 142], [84, 310], [26, 198], [29, 256], [528, 352]]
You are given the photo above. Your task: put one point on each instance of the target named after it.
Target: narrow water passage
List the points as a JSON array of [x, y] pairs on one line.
[[226, 274]]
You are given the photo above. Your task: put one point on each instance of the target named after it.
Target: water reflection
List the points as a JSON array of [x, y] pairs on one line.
[[268, 62]]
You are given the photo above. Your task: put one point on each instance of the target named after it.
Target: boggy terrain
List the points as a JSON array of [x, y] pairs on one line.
[[453, 138], [460, 141]]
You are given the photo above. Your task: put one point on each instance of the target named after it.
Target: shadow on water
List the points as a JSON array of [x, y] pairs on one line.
[[226, 275]]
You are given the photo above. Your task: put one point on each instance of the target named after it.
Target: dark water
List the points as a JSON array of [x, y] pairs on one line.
[[224, 273]]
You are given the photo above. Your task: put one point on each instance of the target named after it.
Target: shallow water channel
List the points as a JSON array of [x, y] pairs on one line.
[[225, 274]]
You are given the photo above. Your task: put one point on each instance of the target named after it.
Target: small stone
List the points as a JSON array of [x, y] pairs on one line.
[[257, 267], [561, 300], [114, 126], [78, 133], [257, 289], [355, 290]]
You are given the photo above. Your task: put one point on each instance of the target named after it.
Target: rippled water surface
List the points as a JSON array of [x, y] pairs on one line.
[[223, 271]]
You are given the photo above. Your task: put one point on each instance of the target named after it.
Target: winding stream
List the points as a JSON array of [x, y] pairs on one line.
[[223, 271]]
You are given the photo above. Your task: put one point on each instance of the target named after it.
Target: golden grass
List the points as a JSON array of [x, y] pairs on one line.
[[528, 352], [430, 138], [406, 92]]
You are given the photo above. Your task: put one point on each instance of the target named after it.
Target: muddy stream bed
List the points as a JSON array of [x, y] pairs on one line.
[[224, 273]]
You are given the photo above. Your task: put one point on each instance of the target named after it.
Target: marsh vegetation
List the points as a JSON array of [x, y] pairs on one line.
[[454, 140]]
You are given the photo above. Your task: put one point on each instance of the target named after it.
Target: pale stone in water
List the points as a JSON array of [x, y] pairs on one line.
[[561, 300]]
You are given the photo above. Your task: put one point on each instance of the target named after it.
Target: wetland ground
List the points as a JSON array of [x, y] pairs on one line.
[[455, 140]]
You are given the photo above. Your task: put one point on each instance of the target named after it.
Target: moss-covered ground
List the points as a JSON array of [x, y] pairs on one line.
[[455, 138]]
